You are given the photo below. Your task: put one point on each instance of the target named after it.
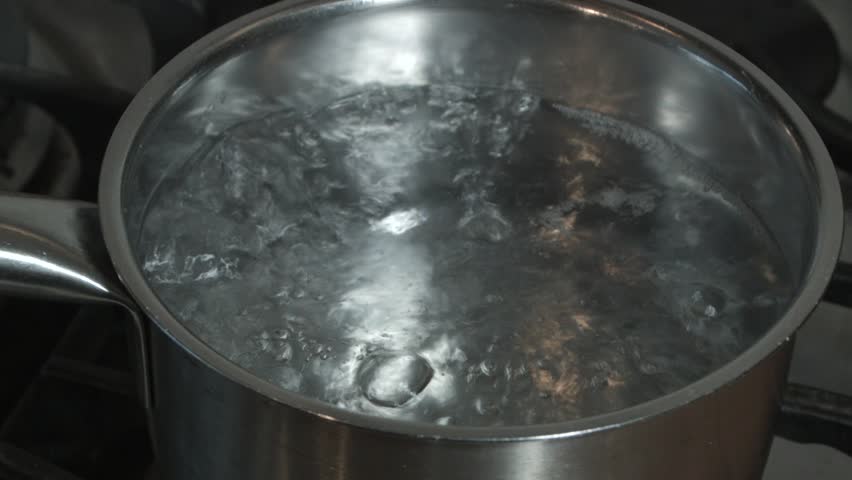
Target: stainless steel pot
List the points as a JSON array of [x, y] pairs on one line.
[[212, 419]]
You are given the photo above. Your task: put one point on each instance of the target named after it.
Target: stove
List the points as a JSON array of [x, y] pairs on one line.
[[67, 403]]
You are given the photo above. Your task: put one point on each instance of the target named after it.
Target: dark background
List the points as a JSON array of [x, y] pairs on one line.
[[67, 407]]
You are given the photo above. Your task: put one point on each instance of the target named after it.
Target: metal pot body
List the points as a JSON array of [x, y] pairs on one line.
[[208, 427], [212, 419]]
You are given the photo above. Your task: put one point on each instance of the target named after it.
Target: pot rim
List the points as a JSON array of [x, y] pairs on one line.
[[826, 251]]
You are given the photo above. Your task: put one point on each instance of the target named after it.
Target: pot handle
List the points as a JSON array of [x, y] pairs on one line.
[[53, 249]]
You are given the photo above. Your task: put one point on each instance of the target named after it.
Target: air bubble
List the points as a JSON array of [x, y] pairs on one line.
[[392, 380]]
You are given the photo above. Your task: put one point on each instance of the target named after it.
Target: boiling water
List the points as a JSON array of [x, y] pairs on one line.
[[460, 256]]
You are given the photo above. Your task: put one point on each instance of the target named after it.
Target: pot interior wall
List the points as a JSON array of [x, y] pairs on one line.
[[592, 58]]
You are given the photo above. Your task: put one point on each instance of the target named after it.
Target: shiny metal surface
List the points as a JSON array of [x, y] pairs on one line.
[[610, 57], [214, 420], [723, 435], [46, 250], [54, 250], [720, 436]]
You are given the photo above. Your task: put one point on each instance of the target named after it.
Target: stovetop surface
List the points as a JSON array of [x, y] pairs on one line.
[[67, 409]]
